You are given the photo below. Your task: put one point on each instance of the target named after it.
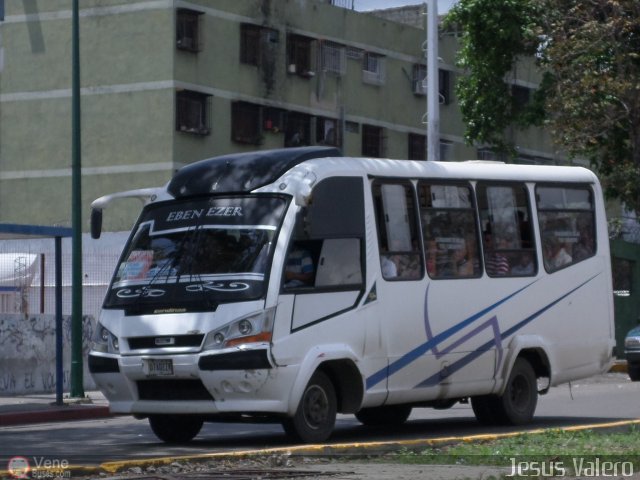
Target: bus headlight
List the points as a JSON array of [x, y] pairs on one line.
[[104, 341], [255, 328]]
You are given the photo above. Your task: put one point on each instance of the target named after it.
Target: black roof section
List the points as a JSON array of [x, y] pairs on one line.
[[241, 172]]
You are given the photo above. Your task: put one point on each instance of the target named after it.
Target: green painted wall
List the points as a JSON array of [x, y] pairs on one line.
[[131, 70]]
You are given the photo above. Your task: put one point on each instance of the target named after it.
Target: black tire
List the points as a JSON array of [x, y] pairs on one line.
[[516, 405], [316, 414], [634, 372], [175, 428], [388, 416]]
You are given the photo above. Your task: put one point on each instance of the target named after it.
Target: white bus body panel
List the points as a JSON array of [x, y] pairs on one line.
[[412, 341]]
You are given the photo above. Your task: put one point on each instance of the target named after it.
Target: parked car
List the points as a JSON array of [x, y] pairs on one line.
[[632, 353]]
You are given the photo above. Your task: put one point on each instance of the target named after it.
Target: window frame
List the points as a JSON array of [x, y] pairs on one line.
[[373, 148], [577, 211], [251, 133], [416, 146], [472, 209], [532, 238], [333, 57], [413, 222], [373, 68], [185, 101], [188, 22], [300, 55]]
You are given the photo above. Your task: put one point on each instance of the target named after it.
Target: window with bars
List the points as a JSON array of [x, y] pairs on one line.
[[417, 146], [334, 58], [193, 112], [418, 79], [297, 130], [246, 123], [444, 86], [300, 55], [188, 29], [327, 131], [373, 71], [372, 141], [446, 151], [254, 41], [521, 97]]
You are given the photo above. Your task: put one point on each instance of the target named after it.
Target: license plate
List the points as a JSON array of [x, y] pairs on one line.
[[158, 367]]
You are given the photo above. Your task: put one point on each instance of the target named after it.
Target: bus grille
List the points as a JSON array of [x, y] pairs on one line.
[[146, 343], [172, 390]]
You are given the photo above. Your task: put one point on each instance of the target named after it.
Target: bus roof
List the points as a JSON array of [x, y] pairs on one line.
[[241, 172], [472, 170]]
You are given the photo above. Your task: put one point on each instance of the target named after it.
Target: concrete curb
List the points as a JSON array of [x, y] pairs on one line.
[[344, 450], [54, 414]]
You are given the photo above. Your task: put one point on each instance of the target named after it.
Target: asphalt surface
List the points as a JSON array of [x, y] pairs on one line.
[[84, 433]]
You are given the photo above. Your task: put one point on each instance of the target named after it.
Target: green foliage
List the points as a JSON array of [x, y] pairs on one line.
[[589, 52], [594, 106], [495, 34]]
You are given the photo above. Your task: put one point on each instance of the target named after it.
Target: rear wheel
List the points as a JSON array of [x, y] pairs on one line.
[[384, 416], [634, 371], [316, 414], [175, 428], [516, 405]]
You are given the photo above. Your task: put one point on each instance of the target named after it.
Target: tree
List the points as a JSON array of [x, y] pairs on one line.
[[589, 51]]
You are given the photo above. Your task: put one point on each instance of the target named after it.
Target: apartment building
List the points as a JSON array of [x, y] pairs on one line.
[[168, 82]]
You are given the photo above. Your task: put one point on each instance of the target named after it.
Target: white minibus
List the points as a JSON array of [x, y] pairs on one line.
[[294, 284]]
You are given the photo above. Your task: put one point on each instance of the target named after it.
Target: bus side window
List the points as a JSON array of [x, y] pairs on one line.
[[327, 245], [400, 252], [449, 230], [507, 236], [567, 225]]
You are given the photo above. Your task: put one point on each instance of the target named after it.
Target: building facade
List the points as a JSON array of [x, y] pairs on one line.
[[168, 82]]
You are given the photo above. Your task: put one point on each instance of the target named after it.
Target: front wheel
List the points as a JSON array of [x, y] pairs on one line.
[[316, 413], [634, 371], [175, 428]]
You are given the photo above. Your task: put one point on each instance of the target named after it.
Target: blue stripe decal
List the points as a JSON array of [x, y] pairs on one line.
[[420, 350], [454, 367]]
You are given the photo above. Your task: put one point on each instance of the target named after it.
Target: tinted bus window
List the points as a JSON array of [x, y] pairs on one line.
[[400, 255], [449, 230], [507, 234], [567, 225]]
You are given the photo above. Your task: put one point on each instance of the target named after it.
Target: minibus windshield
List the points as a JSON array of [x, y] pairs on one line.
[[196, 254]]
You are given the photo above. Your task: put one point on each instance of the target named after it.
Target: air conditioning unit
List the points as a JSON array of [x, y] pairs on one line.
[[419, 87]]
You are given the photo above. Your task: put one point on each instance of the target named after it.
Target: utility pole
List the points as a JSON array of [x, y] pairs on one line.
[[77, 387], [433, 95]]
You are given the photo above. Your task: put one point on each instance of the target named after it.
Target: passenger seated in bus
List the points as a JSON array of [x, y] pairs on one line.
[[407, 264], [585, 247], [388, 267], [465, 259], [524, 266], [496, 263], [299, 269], [554, 252]]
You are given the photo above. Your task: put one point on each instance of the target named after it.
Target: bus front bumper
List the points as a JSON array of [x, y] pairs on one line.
[[238, 381]]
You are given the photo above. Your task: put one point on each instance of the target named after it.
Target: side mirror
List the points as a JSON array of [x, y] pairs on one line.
[[96, 223]]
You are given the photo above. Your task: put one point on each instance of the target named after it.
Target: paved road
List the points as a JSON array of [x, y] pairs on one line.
[[599, 399]]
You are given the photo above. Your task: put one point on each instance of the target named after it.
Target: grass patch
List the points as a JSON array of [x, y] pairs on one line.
[[551, 448]]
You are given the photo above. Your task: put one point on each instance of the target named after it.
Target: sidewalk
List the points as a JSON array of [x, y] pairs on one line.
[[42, 408]]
